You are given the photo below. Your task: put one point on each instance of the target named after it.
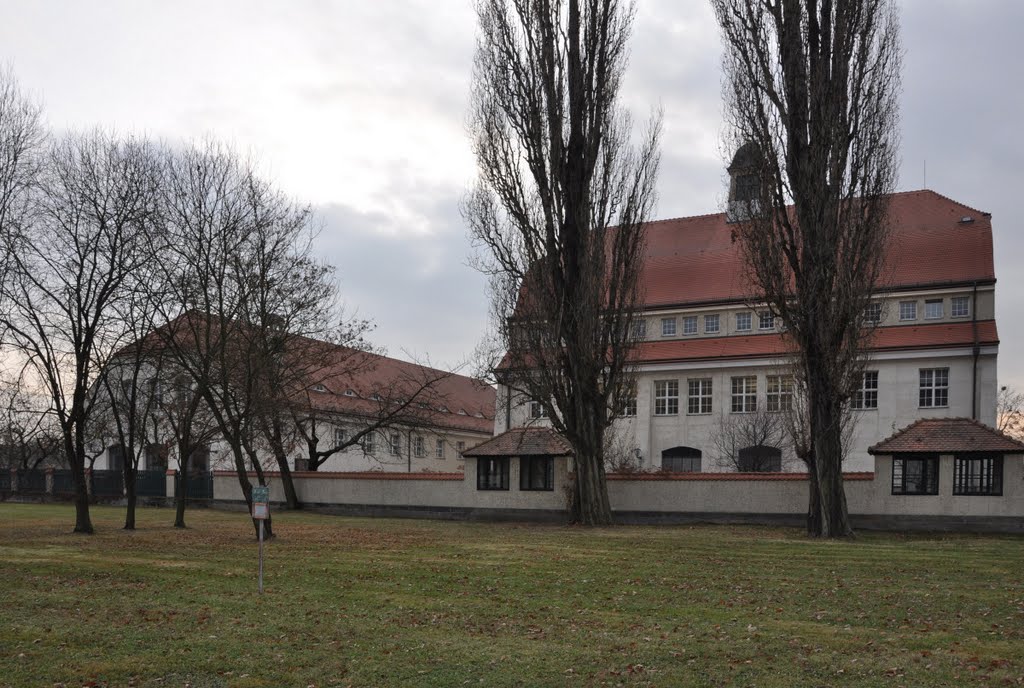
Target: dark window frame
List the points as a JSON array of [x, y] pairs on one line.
[[531, 467], [929, 474], [993, 477], [489, 467], [682, 460]]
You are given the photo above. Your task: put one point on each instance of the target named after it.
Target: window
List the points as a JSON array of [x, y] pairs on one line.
[[419, 447], [978, 474], [873, 314], [537, 410], [934, 390], [765, 320], [640, 329], [319, 388], [744, 394], [908, 310], [396, 443], [779, 393], [760, 458], [157, 390], [460, 447], [698, 397], [866, 396], [933, 309], [915, 475], [711, 324], [690, 324], [339, 436], [368, 445], [666, 397], [960, 307], [681, 460], [439, 449], [536, 473], [627, 406], [743, 322], [492, 473], [350, 393], [668, 327]]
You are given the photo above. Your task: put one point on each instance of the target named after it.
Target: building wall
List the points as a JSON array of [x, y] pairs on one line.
[[898, 405], [867, 494]]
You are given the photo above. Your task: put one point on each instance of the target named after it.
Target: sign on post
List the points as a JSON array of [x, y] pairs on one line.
[[261, 512], [261, 502]]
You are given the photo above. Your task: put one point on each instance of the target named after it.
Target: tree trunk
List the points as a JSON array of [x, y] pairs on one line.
[[180, 488], [813, 498], [828, 453], [291, 497], [130, 494], [83, 522], [590, 506]]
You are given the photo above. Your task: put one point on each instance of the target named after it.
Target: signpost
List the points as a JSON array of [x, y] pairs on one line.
[[261, 512]]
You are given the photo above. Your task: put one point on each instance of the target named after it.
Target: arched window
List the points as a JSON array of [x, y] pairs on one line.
[[760, 459], [681, 460]]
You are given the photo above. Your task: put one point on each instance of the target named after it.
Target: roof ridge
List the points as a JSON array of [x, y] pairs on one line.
[[942, 196]]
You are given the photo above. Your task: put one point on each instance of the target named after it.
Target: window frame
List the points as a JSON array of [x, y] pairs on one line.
[[713, 318], [529, 466], [537, 410], [419, 447], [368, 442], [667, 400], [639, 329], [700, 397], [912, 307], [395, 444], [668, 327], [932, 388], [340, 436], [744, 395], [873, 313], [784, 389], [689, 320], [995, 476], [930, 471], [942, 309], [858, 401], [627, 407], [765, 317], [749, 318], [965, 301], [439, 448], [497, 466]]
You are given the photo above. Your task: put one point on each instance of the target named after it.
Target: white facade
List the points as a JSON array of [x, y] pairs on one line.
[[899, 372]]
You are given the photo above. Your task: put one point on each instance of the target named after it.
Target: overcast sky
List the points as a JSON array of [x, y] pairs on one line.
[[359, 109]]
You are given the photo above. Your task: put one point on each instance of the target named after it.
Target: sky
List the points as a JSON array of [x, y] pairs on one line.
[[359, 109]]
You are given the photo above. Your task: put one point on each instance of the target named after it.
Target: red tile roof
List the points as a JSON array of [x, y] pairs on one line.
[[895, 338], [532, 441], [454, 401], [694, 260], [947, 436]]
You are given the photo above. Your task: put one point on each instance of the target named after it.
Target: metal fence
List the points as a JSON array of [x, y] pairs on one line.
[[31, 482], [199, 485], [63, 483], [151, 483], [107, 484]]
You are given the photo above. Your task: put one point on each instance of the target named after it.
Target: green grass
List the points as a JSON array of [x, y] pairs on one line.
[[418, 603]]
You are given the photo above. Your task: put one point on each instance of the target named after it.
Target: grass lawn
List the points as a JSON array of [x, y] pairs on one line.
[[419, 603]]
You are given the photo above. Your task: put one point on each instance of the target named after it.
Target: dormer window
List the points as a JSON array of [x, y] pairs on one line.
[[319, 388], [350, 393]]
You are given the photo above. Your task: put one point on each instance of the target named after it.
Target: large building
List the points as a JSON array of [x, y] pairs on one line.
[[349, 411], [712, 363]]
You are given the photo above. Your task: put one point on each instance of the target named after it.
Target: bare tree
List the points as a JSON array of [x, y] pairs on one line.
[[67, 271], [755, 442], [811, 90], [28, 436], [556, 172], [1010, 412], [21, 142]]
